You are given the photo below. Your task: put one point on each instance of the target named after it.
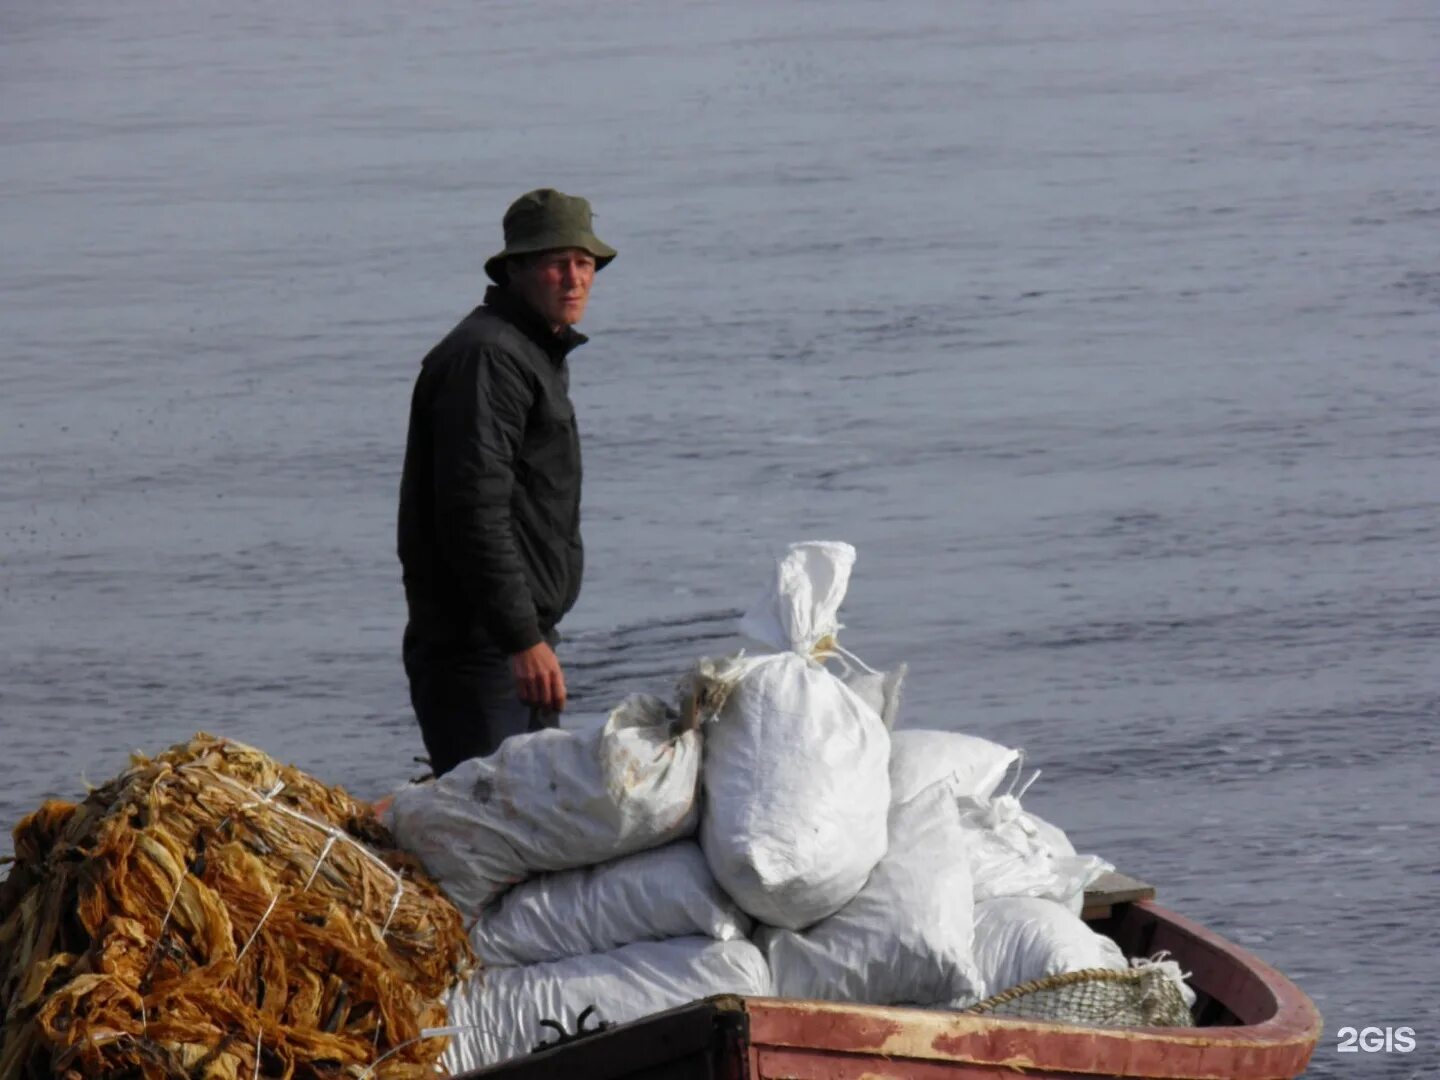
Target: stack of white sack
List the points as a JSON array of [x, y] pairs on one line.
[[627, 938], [911, 935], [628, 920], [554, 800], [906, 938], [1028, 883], [568, 849], [796, 769]]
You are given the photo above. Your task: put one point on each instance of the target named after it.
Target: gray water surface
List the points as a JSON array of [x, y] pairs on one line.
[[1109, 333]]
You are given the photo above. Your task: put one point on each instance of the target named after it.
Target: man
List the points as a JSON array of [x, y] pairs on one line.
[[489, 530]]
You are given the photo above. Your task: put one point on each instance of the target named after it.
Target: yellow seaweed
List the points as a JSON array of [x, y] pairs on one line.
[[211, 913]]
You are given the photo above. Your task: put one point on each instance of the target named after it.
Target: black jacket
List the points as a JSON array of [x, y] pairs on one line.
[[489, 530]]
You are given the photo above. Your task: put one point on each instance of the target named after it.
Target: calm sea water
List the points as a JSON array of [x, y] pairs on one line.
[[1109, 333]]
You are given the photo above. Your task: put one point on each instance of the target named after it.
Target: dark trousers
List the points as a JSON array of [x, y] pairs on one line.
[[465, 700]]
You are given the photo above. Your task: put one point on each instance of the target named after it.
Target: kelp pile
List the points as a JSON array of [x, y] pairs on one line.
[[211, 913]]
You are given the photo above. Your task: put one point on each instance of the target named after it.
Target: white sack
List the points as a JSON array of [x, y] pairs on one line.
[[906, 938], [500, 1009], [1011, 857], [1018, 939], [667, 892], [553, 800], [920, 757], [796, 792], [796, 771]]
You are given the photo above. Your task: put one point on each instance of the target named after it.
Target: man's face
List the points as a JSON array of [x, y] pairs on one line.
[[555, 283]]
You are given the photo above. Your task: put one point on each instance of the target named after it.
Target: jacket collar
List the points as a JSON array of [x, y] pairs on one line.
[[523, 317]]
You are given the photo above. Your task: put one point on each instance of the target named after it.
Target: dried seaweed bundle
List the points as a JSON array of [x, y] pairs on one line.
[[212, 913]]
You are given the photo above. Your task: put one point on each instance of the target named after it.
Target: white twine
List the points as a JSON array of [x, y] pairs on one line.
[[1019, 772], [266, 798], [846, 655], [1005, 809], [330, 831], [253, 933], [329, 844], [394, 907]]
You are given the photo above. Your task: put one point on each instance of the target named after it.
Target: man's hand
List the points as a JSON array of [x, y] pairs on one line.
[[538, 678]]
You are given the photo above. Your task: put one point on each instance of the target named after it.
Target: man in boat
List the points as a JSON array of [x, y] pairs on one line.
[[489, 530]]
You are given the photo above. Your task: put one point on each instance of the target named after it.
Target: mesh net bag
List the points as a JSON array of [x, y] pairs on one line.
[[211, 913], [1097, 997]]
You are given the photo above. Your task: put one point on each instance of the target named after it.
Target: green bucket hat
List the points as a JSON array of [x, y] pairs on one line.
[[543, 220]]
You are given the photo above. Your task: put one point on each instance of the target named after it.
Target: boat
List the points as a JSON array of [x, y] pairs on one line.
[[1252, 1023]]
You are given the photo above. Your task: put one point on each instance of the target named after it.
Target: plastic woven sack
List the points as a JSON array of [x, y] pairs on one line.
[[554, 800], [796, 773], [666, 892], [920, 757], [1020, 939]]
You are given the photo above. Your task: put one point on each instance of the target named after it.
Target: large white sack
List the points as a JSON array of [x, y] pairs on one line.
[[1012, 855], [666, 892], [499, 1011], [920, 757], [796, 793], [796, 771], [554, 800], [906, 937], [1018, 939]]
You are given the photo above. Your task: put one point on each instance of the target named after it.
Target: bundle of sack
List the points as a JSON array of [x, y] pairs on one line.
[[762, 833]]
